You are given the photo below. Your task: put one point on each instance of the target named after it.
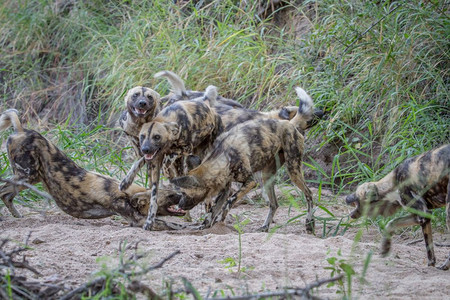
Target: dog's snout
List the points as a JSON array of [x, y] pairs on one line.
[[318, 113], [145, 149], [350, 199], [142, 103]]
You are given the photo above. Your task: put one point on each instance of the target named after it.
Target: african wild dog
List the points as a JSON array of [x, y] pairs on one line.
[[143, 104], [181, 129], [257, 145], [233, 113], [420, 183], [78, 192], [179, 91]]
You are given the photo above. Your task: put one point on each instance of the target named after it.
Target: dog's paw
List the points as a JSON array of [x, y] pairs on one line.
[[187, 217], [264, 228], [140, 200], [445, 266], [310, 224], [196, 227], [385, 247], [148, 225]]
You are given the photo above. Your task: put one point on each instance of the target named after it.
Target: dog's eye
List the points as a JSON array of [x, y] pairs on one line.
[[149, 97], [157, 137], [136, 95]]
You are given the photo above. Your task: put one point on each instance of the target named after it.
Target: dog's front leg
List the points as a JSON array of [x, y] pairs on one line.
[[153, 207], [408, 220], [7, 193], [129, 178], [296, 175], [216, 207]]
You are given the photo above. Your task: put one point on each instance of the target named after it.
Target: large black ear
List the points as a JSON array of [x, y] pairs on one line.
[[192, 161], [372, 192], [284, 114], [187, 182], [173, 128]]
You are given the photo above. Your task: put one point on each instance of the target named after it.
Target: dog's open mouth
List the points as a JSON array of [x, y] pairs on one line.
[[140, 111], [355, 214], [175, 210], [353, 201], [151, 155]]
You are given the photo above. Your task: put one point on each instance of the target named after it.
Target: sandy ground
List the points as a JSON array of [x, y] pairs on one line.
[[69, 250]]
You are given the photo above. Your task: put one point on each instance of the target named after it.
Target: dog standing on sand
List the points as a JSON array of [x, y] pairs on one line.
[[143, 104], [420, 183], [257, 145], [181, 129]]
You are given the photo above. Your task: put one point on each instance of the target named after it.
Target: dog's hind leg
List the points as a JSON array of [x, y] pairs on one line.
[[7, 192], [129, 178], [268, 178], [295, 173], [447, 210], [264, 193], [293, 153], [246, 187]]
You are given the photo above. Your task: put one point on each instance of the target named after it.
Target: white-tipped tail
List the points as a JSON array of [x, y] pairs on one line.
[[10, 117], [306, 103], [175, 81], [211, 95]]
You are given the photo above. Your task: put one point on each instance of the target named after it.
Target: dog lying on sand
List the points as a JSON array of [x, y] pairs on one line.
[[78, 192]]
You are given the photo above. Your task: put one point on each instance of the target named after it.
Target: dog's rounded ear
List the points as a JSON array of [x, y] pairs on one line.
[[173, 128], [284, 114], [372, 192], [187, 182]]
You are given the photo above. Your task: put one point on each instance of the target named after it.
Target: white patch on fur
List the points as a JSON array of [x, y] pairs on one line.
[[307, 101], [211, 95]]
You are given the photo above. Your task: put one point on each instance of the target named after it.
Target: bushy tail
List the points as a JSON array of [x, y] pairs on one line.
[[306, 103], [10, 117], [211, 95], [175, 81], [305, 113]]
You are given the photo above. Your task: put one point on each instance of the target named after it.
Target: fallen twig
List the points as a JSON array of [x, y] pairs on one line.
[[420, 240], [13, 286], [304, 292], [123, 268], [414, 242]]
